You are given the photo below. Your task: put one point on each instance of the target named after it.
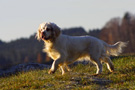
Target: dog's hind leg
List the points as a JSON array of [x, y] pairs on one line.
[[98, 65], [108, 62]]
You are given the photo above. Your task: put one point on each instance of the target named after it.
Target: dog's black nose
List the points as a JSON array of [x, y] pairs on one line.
[[43, 33]]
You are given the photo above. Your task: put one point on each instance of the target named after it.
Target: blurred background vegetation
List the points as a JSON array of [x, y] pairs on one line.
[[25, 50]]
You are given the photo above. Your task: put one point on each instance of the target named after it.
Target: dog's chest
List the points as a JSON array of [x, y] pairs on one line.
[[52, 52]]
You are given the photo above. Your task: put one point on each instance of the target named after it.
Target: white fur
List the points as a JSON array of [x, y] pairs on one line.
[[64, 49]]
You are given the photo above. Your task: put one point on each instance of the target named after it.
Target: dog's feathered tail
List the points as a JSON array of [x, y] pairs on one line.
[[115, 49]]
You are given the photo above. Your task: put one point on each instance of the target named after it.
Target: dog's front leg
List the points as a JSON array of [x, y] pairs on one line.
[[55, 65]]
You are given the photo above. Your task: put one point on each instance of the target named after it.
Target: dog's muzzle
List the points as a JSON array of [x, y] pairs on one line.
[[43, 35]]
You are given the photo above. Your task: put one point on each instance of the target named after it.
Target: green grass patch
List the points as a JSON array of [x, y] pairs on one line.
[[79, 78]]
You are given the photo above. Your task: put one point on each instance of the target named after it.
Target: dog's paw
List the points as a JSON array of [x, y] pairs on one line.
[[95, 74], [51, 72]]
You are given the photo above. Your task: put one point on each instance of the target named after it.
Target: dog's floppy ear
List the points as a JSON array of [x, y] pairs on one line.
[[38, 34], [56, 29]]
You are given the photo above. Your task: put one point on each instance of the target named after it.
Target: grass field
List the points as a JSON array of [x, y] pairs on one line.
[[80, 78]]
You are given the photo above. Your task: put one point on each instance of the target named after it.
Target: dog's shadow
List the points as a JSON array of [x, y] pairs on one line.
[[90, 78]]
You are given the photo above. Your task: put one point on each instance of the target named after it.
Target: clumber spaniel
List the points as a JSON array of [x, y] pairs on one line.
[[64, 49]]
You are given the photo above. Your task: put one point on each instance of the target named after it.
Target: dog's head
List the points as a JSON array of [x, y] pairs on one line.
[[48, 31]]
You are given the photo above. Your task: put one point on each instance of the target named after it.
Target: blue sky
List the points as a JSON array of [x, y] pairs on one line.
[[21, 18]]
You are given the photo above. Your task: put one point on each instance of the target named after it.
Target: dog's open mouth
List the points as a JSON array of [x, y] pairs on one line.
[[43, 37]]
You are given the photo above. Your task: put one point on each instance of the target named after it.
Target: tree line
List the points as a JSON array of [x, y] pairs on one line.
[[26, 50]]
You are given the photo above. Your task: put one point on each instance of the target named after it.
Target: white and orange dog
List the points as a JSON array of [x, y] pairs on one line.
[[64, 49]]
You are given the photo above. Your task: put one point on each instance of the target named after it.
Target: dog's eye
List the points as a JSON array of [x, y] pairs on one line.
[[48, 29]]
